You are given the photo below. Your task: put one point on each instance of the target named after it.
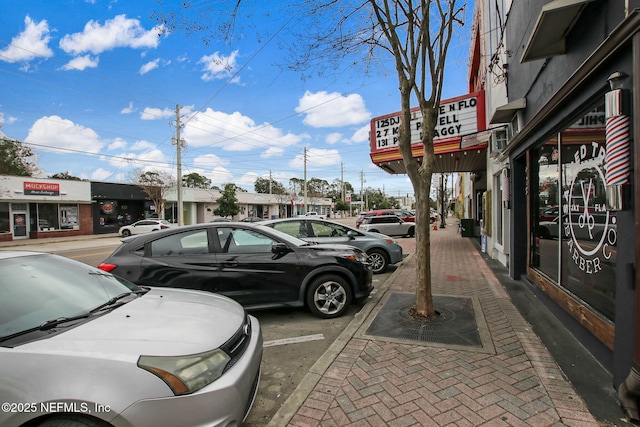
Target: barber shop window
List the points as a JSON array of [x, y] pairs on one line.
[[574, 234]]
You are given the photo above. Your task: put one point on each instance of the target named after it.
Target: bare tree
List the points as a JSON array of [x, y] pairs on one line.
[[155, 184], [414, 34]]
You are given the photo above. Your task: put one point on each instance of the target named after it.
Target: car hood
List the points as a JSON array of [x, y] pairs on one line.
[[161, 322]]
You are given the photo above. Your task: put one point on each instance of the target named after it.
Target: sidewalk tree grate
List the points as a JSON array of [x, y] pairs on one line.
[[457, 324]]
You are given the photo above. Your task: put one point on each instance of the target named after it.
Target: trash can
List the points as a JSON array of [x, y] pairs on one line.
[[467, 227]]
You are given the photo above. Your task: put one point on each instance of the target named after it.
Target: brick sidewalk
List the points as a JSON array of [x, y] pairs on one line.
[[373, 382]]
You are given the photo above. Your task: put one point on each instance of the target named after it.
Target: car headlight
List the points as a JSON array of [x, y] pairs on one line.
[[186, 374], [357, 256]]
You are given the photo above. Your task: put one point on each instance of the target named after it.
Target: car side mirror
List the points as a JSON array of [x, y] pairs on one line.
[[280, 248], [351, 234]]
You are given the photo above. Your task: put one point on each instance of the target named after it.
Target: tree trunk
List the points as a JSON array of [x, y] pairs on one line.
[[424, 297]]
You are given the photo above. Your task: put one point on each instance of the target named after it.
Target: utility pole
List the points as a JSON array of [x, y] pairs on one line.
[[178, 141], [305, 181]]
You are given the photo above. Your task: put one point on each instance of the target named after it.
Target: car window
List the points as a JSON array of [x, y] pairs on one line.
[[292, 228], [328, 230], [35, 289], [239, 240], [193, 242]]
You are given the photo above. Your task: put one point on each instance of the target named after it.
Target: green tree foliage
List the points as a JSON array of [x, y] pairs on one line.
[[15, 158], [268, 186], [228, 202], [195, 180], [65, 175]]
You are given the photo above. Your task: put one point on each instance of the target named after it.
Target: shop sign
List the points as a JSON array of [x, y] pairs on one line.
[[41, 189], [588, 226]]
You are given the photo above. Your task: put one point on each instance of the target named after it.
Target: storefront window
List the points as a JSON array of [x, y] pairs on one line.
[[546, 210], [574, 235], [69, 216], [5, 223], [589, 230], [48, 217]]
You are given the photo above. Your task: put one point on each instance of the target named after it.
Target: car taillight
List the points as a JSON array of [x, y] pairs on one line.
[[107, 267]]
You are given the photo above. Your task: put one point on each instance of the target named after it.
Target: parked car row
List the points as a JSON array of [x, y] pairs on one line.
[[257, 266]]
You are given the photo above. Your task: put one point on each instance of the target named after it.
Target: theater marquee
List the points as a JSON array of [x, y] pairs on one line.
[[457, 117]]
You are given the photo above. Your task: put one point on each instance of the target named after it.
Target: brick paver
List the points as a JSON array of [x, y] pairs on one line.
[[373, 382]]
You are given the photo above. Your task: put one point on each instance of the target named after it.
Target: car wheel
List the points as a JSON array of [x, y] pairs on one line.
[[126, 233], [544, 233], [412, 232], [379, 261], [329, 296], [72, 421]]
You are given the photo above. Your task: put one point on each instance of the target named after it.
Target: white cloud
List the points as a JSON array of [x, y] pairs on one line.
[[220, 176], [149, 66], [100, 174], [128, 110], [272, 152], [248, 180], [317, 157], [117, 144], [218, 66], [117, 32], [151, 113], [333, 138], [80, 63], [143, 145], [8, 120], [30, 44], [235, 132], [209, 161], [53, 133], [361, 135], [323, 109]]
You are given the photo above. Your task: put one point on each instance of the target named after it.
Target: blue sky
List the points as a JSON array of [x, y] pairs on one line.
[[92, 89]]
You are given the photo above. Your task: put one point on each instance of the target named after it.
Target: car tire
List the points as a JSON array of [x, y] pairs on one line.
[[72, 421], [412, 232], [379, 260], [544, 233], [126, 233], [329, 296]]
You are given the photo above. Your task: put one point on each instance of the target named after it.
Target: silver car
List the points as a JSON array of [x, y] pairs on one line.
[[391, 225], [81, 347], [382, 250]]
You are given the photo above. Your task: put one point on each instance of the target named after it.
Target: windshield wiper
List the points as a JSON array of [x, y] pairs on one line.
[[117, 299], [49, 324]]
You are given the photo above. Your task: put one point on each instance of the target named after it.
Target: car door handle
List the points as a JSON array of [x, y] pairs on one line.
[[230, 264]]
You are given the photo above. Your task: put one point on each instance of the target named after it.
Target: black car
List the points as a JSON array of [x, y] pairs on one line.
[[255, 265]]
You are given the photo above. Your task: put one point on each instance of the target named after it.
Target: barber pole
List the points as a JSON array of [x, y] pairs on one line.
[[618, 148]]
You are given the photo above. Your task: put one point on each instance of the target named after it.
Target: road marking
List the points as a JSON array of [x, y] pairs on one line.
[[294, 340]]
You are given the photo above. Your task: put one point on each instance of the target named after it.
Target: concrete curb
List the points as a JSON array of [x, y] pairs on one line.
[[306, 386]]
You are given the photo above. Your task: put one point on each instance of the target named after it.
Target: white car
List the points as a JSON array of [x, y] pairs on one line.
[[144, 226], [81, 347], [314, 215]]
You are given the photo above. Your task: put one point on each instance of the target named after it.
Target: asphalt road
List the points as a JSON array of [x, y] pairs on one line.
[[294, 338]]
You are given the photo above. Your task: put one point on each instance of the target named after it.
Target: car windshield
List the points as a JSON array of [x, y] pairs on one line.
[[35, 289]]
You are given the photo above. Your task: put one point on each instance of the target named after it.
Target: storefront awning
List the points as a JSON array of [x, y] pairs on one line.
[[552, 27], [504, 113]]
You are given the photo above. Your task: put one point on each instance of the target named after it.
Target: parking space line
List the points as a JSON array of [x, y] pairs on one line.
[[293, 340]]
